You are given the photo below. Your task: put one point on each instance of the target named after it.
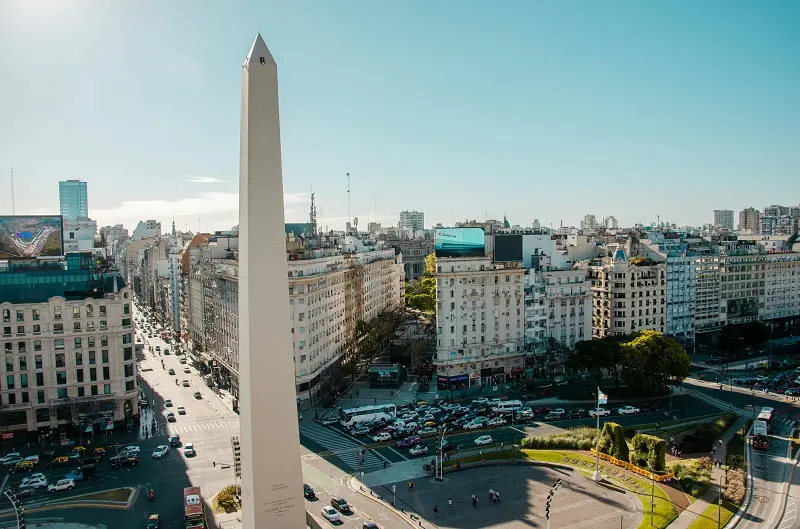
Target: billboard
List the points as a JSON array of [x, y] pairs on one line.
[[460, 242], [507, 248], [32, 236], [742, 308]]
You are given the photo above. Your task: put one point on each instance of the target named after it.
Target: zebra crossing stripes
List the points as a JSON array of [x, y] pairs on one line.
[[345, 448], [199, 427]]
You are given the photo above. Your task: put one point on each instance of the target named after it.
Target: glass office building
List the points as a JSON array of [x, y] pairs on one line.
[[73, 199]]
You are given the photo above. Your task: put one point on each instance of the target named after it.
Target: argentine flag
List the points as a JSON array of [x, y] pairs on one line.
[[602, 398]]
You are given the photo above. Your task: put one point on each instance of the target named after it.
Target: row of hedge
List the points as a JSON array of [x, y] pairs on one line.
[[582, 438], [649, 451]]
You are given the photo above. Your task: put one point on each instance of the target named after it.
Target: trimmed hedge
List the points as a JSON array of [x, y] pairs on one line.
[[707, 433], [694, 475], [734, 487], [649, 452], [612, 441], [582, 438]]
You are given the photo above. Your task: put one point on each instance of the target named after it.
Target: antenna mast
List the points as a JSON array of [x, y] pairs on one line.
[[313, 216], [13, 205], [348, 197]]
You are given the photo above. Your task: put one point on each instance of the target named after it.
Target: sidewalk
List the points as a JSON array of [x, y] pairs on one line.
[[688, 516]]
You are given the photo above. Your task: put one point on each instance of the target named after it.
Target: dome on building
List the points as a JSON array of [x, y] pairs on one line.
[[619, 255]]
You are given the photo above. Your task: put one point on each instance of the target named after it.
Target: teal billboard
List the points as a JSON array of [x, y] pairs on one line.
[[460, 242]]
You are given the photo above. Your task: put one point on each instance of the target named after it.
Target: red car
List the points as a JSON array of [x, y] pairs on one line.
[[541, 410], [409, 442]]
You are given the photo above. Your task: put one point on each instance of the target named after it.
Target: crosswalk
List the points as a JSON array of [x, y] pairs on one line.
[[346, 449], [174, 429]]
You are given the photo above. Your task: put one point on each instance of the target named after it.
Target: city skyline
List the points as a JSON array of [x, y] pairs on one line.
[[577, 109]]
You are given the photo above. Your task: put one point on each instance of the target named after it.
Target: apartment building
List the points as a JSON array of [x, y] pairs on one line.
[[628, 295], [723, 218], [329, 293], [67, 335], [558, 305], [480, 321], [412, 220], [781, 286], [741, 270], [749, 220], [707, 293]]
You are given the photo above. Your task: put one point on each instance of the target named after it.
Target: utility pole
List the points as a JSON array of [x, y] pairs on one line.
[[549, 499], [719, 505]]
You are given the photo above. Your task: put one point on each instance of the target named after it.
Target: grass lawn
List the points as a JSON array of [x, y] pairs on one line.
[[120, 495], [664, 512], [708, 519]]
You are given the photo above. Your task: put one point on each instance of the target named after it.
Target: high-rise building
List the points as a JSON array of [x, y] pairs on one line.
[[749, 220], [412, 220], [724, 218], [589, 222], [73, 199], [611, 223]]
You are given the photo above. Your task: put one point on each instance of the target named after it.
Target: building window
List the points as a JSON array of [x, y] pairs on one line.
[[129, 385], [128, 370], [89, 325], [20, 329], [79, 374], [58, 343], [38, 361], [78, 358], [106, 373], [89, 311], [62, 393], [104, 356], [35, 314], [103, 324], [61, 360], [6, 315], [61, 377], [9, 364], [106, 389], [23, 381], [102, 310], [90, 341], [39, 397], [12, 399], [76, 313], [6, 331], [104, 341], [76, 326], [10, 381], [77, 344], [92, 358], [39, 379], [9, 348], [58, 328], [22, 348], [23, 363], [20, 315], [56, 313], [94, 390], [126, 338], [128, 353], [126, 308], [37, 329]]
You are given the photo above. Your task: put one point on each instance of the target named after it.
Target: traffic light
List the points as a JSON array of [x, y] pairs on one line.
[[237, 456]]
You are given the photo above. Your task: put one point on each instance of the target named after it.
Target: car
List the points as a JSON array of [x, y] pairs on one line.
[[131, 450], [25, 492], [171, 417], [329, 422], [419, 450], [428, 431], [185, 383], [577, 413], [168, 403], [59, 461], [408, 442], [171, 371], [22, 466], [158, 347], [448, 446], [35, 481], [541, 410], [187, 370], [124, 461], [559, 411], [11, 458], [160, 451], [330, 514], [599, 412], [341, 505], [99, 452], [358, 431], [181, 410], [189, 450], [182, 361], [83, 472], [197, 395], [552, 417], [153, 521], [627, 410], [497, 421], [648, 408], [175, 441], [483, 440], [381, 437], [308, 492], [370, 525], [61, 485]]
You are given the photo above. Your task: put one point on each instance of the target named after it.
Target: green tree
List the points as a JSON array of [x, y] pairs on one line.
[[555, 354], [651, 361], [612, 441], [420, 357], [421, 294]]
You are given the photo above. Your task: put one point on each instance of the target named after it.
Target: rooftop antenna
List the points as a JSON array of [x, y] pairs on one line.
[[13, 206], [348, 197], [313, 215]]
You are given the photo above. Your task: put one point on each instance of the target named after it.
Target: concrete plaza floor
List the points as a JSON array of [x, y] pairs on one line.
[[579, 503]]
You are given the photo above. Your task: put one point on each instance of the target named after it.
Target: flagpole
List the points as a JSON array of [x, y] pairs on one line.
[[597, 477]]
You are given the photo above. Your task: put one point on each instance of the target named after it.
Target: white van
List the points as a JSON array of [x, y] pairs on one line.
[[506, 406]]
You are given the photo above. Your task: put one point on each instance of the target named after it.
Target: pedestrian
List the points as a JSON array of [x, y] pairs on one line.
[[436, 510], [356, 393], [720, 442], [375, 400], [502, 444], [410, 486], [384, 464], [474, 502], [450, 504]]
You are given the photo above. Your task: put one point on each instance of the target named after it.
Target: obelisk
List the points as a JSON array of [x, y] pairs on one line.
[[272, 476]]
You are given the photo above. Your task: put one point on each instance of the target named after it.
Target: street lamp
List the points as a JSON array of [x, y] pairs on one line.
[[652, 492], [441, 456], [517, 430]]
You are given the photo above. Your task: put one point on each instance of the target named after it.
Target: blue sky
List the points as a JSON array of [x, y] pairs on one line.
[[460, 108]]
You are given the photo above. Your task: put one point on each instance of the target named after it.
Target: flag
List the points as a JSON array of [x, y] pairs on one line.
[[602, 398]]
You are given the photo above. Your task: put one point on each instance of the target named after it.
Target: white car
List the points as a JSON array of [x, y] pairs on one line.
[[160, 451], [12, 456], [473, 426], [419, 450], [36, 481], [62, 484], [497, 421], [627, 410], [181, 410], [412, 426], [331, 514], [599, 412], [132, 451], [382, 436], [187, 370], [188, 450], [428, 431], [483, 440], [558, 411], [481, 400]]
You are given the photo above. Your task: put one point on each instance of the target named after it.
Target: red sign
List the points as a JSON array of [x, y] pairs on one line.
[[7, 436]]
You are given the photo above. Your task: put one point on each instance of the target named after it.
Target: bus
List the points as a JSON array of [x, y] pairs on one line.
[[507, 406], [194, 515], [761, 428], [380, 412]]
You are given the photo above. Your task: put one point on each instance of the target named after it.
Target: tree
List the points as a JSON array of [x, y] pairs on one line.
[[421, 294], [651, 361], [420, 357], [556, 354]]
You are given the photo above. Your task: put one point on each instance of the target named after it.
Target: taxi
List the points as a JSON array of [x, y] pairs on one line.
[[59, 461], [99, 451], [79, 449], [153, 521], [23, 466]]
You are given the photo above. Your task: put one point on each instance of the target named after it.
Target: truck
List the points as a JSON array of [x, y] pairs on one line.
[[83, 472]]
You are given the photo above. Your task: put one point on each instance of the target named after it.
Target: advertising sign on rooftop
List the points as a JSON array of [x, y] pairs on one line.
[[460, 242], [507, 248], [30, 237]]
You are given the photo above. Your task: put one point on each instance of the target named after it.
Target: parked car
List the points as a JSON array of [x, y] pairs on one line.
[[382, 437], [308, 492], [61, 485], [358, 431], [189, 450], [577, 413], [541, 410], [408, 442], [171, 417], [419, 450], [552, 417], [483, 440], [497, 421], [627, 410], [330, 514], [599, 412], [645, 408]]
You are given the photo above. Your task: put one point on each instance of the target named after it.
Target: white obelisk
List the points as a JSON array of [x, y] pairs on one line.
[[272, 476]]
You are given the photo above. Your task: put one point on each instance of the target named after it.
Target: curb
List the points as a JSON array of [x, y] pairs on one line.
[[75, 502], [377, 499], [739, 514], [787, 482]]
